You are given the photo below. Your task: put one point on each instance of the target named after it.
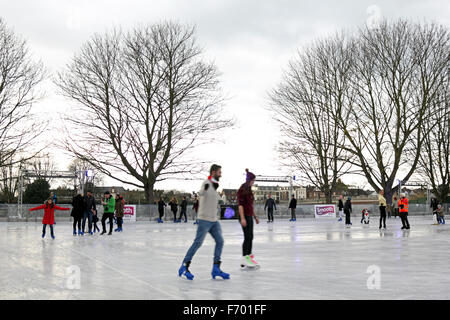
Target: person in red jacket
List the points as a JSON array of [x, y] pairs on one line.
[[403, 208], [49, 215]]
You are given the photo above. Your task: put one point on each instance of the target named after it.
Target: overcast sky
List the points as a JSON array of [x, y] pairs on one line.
[[251, 42]]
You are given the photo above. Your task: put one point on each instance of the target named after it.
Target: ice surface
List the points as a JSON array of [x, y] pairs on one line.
[[307, 259]]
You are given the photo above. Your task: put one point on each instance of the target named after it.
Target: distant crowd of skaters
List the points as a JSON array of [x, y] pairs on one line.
[[85, 208]]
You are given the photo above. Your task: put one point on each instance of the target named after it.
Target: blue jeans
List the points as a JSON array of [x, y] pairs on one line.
[[88, 215], [203, 228]]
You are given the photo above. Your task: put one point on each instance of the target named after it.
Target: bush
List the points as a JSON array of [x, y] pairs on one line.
[[37, 192]]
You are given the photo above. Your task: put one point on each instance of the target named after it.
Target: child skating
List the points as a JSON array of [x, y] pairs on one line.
[[246, 214], [49, 215], [207, 222]]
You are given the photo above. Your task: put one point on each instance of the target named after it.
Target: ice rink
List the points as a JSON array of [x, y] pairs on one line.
[[308, 259]]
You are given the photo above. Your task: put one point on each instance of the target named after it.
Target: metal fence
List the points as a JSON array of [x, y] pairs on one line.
[[9, 212]]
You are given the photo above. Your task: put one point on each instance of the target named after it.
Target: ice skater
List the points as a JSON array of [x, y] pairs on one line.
[[77, 213], [246, 214], [49, 215], [161, 205], [95, 219], [293, 206], [183, 209], [119, 212], [341, 208], [109, 205], [270, 206], [348, 211], [195, 208], [207, 222], [174, 208], [365, 216], [382, 204], [403, 208], [89, 208], [440, 214]]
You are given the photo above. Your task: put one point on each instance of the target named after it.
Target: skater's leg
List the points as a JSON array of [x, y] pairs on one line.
[[90, 221], [104, 223], [111, 222], [248, 236], [402, 217], [202, 230], [406, 221], [44, 226], [85, 216], [216, 233], [271, 215], [51, 231]]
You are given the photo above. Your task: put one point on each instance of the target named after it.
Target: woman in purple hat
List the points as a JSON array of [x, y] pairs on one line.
[[246, 215]]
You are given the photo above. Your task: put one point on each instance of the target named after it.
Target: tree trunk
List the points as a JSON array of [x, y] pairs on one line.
[[149, 192]]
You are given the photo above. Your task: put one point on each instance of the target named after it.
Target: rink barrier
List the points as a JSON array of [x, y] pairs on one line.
[[145, 212]]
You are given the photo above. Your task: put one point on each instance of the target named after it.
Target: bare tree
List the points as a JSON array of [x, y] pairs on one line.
[[315, 82], [398, 70], [146, 99], [19, 77], [43, 164], [9, 179], [434, 160]]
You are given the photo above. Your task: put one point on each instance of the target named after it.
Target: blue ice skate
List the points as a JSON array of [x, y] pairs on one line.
[[74, 232], [43, 234], [184, 270], [216, 272], [79, 232], [53, 237]]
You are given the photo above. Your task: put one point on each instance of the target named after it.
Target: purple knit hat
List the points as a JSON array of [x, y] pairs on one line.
[[250, 176]]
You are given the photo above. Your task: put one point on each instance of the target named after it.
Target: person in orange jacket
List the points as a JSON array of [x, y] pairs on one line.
[[49, 215], [403, 209]]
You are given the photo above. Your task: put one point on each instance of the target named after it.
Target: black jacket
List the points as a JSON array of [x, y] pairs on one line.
[[293, 204], [340, 205], [78, 206], [161, 205], [89, 203], [270, 203], [173, 206], [183, 205], [348, 206]]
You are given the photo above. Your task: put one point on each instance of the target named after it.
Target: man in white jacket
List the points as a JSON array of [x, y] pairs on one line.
[[207, 222]]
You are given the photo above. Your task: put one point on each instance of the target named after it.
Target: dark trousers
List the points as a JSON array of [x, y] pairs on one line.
[[77, 221], [270, 214], [383, 215], [174, 215], [161, 213], [87, 215], [404, 217], [347, 217], [248, 236], [95, 227], [119, 222], [183, 213], [51, 229], [109, 216], [293, 213]]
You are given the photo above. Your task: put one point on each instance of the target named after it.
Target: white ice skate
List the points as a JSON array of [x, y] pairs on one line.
[[248, 263]]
